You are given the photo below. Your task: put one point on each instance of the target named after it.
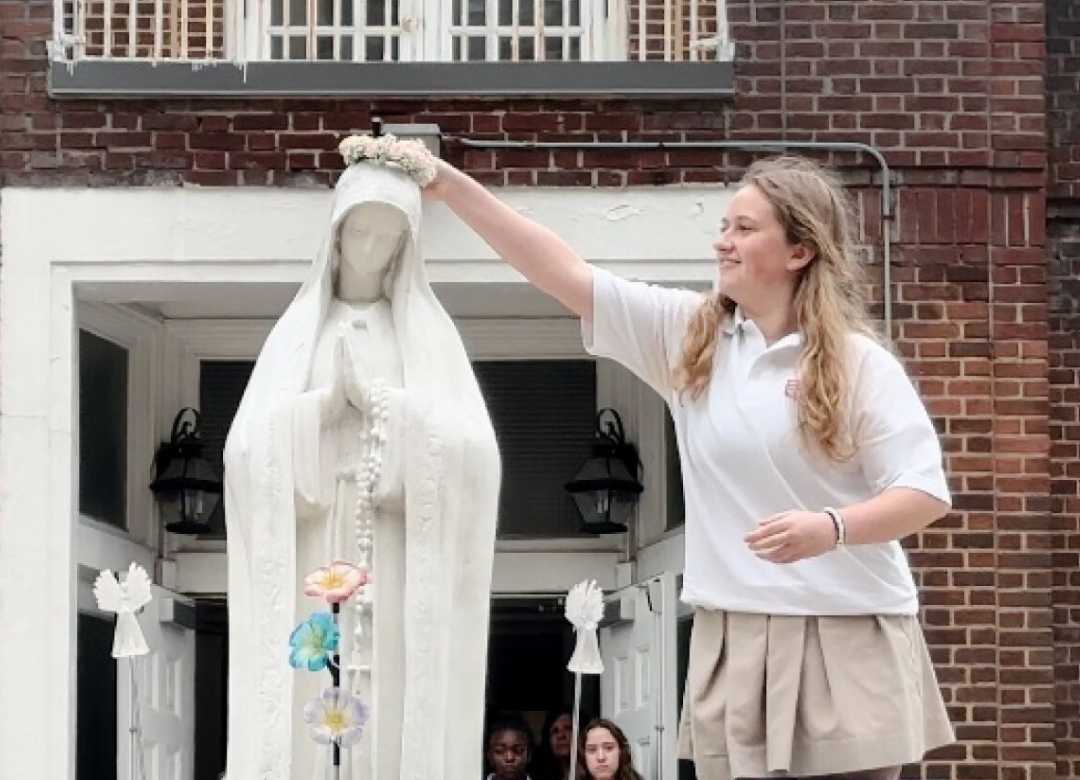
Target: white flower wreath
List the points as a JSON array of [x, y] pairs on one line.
[[411, 155]]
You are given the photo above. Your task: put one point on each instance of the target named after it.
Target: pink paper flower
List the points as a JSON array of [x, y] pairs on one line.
[[337, 583]]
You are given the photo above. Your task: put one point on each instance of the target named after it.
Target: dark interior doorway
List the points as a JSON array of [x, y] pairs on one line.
[[530, 643]]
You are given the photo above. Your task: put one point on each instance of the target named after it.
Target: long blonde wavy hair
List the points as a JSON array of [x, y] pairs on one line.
[[830, 299]]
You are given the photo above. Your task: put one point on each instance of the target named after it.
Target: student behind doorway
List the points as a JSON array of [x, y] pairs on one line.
[[606, 753], [508, 748], [806, 457]]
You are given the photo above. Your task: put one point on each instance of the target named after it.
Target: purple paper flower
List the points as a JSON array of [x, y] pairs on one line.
[[336, 717]]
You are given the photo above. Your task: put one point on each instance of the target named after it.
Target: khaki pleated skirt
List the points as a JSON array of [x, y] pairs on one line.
[[778, 695]]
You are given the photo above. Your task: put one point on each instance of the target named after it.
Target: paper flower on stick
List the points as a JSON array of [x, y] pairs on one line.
[[336, 583], [336, 717], [312, 642], [125, 599], [585, 609]]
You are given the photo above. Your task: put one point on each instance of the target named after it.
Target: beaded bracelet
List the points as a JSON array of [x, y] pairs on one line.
[[838, 524]]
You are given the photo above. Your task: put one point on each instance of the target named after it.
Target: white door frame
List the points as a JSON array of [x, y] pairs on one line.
[[116, 244]]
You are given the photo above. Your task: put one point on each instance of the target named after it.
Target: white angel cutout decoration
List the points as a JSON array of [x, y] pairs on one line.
[[585, 610], [125, 599]]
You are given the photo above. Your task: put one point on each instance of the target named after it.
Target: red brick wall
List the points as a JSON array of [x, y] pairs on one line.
[[1063, 268], [953, 92]]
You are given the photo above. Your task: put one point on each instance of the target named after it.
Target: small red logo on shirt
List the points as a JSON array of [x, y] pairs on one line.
[[791, 389]]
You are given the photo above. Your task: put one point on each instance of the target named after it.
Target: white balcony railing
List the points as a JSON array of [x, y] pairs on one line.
[[393, 30]]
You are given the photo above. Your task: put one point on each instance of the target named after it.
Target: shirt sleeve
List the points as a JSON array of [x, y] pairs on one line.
[[897, 443], [639, 325]]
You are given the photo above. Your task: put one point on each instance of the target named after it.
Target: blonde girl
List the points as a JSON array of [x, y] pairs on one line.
[[806, 457]]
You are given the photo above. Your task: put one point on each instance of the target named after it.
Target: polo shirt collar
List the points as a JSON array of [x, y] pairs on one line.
[[737, 321], [734, 322]]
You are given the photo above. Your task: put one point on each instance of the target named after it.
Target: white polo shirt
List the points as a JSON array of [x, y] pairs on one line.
[[742, 459]]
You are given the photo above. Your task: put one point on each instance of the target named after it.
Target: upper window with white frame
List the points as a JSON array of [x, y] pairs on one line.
[[395, 30]]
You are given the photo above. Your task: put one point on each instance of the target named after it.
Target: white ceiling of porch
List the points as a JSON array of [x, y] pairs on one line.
[[194, 300]]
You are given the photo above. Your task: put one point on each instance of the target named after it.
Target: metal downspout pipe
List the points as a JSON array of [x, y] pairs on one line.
[[887, 214]]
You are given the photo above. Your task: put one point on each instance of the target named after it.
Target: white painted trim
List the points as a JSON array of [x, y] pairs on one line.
[[107, 244], [205, 573], [650, 229], [667, 554], [102, 547]]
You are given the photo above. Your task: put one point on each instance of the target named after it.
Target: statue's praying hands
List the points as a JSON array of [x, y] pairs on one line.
[[349, 385]]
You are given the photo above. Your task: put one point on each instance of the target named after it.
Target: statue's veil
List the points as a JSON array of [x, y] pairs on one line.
[[451, 498]]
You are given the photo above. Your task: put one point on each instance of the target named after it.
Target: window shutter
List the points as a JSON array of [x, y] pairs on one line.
[[544, 413], [221, 386]]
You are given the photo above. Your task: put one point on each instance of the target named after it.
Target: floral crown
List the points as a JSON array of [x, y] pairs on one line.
[[411, 156]]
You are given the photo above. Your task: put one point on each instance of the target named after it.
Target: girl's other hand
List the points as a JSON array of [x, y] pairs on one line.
[[787, 537]]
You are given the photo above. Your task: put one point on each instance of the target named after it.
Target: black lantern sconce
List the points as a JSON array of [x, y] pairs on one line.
[[187, 487], [607, 487]]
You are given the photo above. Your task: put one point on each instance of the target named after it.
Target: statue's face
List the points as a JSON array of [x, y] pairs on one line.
[[372, 235]]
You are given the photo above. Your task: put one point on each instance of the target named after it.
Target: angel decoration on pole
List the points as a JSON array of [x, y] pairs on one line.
[[585, 610], [126, 599]]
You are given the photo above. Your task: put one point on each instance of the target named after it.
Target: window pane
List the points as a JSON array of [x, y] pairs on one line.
[[527, 12], [324, 47], [346, 49], [374, 48], [395, 49], [477, 12], [544, 413], [297, 47], [553, 48], [575, 12], [394, 9], [376, 13], [297, 12], [277, 12], [506, 12], [346, 13], [103, 405], [575, 49], [477, 49], [553, 12], [527, 49], [455, 13], [276, 48], [325, 12], [506, 49]]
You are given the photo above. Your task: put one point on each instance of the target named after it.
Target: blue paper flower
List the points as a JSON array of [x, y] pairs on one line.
[[336, 716], [312, 642]]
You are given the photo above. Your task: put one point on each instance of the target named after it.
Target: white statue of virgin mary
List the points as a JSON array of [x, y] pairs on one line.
[[364, 344]]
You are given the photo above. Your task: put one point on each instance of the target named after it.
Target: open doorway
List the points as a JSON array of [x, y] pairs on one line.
[[530, 643]]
